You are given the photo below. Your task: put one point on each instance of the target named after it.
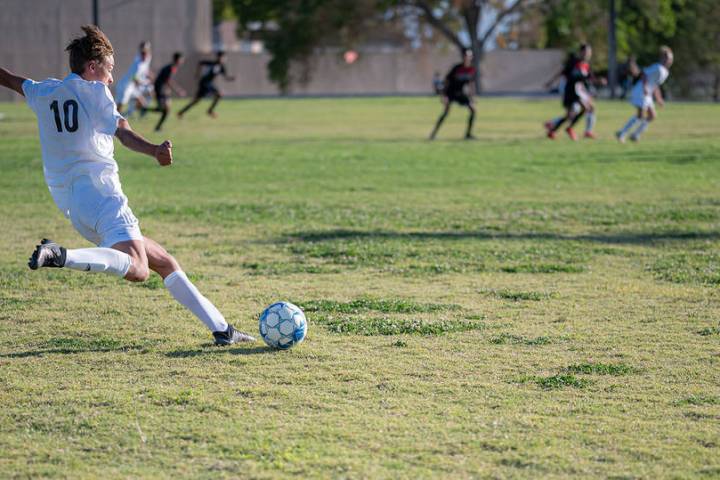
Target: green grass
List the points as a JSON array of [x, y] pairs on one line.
[[506, 308]]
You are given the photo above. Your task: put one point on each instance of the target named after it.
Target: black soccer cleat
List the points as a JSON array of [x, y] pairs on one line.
[[47, 254], [230, 336]]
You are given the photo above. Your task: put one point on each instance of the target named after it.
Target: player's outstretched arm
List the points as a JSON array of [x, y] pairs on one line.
[[11, 81], [135, 142]]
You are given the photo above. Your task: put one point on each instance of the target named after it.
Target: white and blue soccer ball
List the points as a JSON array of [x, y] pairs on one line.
[[283, 325]]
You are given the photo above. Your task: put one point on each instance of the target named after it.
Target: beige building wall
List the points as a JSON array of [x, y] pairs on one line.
[[34, 33], [410, 72]]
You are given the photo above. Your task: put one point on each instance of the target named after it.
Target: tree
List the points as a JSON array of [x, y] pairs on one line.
[[454, 18], [303, 25]]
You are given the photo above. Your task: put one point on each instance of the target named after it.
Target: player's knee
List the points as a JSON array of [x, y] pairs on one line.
[[138, 274]]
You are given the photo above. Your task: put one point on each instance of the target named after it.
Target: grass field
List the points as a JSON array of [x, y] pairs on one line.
[[511, 307]]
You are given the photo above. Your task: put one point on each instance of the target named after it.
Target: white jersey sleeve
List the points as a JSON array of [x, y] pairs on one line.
[[105, 113], [31, 89]]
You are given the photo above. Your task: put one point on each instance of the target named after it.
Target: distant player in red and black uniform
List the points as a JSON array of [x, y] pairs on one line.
[[165, 85], [576, 98], [212, 68], [459, 84]]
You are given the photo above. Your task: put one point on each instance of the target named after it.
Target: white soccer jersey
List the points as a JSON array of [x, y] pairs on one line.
[[77, 120], [655, 75]]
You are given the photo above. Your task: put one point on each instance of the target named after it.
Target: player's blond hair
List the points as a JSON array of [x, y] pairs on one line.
[[93, 46], [666, 52]]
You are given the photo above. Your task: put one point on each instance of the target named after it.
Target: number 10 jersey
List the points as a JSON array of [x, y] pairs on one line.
[[77, 120]]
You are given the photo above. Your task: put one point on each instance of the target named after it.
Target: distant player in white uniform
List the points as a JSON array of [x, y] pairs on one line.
[[643, 93], [77, 119], [133, 86]]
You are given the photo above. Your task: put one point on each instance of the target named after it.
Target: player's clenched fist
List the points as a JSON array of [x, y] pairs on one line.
[[163, 153]]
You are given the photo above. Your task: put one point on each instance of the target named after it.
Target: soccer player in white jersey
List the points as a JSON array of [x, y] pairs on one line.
[[643, 93], [132, 87], [77, 119]]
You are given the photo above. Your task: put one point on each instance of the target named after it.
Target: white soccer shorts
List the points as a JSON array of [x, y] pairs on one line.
[[640, 100], [99, 210]]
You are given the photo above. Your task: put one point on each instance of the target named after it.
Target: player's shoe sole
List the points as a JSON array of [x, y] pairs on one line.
[[47, 254], [231, 336]]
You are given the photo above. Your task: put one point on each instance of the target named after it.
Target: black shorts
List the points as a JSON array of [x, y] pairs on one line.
[[162, 98], [206, 89], [459, 98], [570, 98]]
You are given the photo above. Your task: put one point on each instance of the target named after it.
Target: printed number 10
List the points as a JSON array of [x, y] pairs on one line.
[[70, 112]]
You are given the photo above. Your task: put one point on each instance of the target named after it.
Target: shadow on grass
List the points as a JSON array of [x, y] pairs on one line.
[[215, 350], [635, 238], [67, 351]]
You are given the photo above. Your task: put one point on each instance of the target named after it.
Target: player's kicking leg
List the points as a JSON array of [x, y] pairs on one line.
[[132, 260]]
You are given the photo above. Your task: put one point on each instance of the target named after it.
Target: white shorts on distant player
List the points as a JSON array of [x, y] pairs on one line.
[[126, 92], [639, 99]]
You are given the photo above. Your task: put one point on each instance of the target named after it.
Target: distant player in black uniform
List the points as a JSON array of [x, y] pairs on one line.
[[211, 69], [576, 96], [165, 85], [456, 89]]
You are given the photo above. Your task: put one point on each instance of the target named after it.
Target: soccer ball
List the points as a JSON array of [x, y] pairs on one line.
[[283, 325]]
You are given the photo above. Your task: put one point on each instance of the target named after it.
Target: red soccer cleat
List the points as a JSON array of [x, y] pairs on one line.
[[549, 127], [590, 135], [571, 133]]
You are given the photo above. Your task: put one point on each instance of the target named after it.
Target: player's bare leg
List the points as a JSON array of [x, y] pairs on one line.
[[187, 294], [211, 110], [443, 115], [574, 118], [552, 126], [471, 120], [189, 106]]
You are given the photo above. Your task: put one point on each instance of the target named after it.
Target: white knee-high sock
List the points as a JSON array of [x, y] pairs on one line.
[[103, 260], [641, 129], [183, 290], [628, 125], [590, 122]]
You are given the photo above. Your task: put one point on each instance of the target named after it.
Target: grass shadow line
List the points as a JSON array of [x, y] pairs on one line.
[[633, 238], [216, 350]]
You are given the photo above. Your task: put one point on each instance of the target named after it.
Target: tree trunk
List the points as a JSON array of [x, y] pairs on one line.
[[478, 55], [716, 90], [472, 17]]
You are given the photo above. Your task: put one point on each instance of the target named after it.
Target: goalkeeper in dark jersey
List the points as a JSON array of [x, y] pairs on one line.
[[210, 69], [165, 85], [459, 83]]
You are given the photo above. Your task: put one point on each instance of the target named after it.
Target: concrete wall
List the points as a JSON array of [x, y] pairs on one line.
[[34, 33], [390, 72]]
